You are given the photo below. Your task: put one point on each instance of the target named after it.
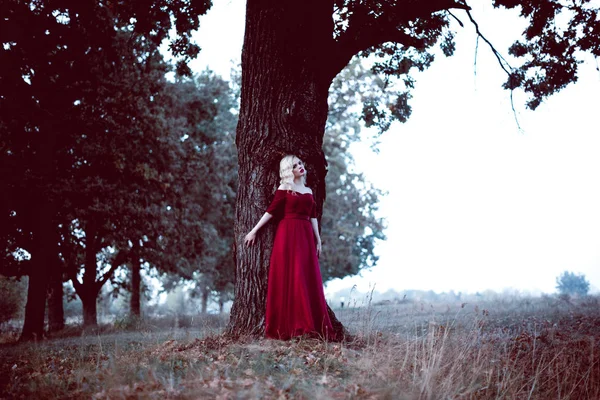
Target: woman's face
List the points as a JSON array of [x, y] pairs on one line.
[[298, 168]]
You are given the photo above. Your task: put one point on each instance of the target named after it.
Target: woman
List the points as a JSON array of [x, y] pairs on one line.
[[295, 299]]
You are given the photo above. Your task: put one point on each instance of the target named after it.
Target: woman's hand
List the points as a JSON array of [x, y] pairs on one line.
[[249, 239], [318, 249]]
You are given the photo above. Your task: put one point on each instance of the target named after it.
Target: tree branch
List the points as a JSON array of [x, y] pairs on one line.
[[72, 273], [119, 260], [501, 61], [365, 31], [456, 18]]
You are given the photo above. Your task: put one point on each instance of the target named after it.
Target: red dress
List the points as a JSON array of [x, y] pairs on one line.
[[295, 299]]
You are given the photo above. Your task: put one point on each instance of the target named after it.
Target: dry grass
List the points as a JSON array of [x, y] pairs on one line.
[[507, 349]]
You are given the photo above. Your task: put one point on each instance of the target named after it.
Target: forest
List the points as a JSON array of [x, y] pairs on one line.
[[123, 170]]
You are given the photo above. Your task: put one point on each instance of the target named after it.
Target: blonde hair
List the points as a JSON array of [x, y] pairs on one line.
[[286, 165]]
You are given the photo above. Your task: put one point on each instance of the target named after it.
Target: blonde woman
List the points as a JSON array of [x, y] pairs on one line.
[[295, 299]]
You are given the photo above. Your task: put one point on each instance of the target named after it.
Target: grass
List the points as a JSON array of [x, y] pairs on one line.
[[535, 348]]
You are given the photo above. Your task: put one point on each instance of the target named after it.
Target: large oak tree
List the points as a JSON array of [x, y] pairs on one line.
[[294, 49]]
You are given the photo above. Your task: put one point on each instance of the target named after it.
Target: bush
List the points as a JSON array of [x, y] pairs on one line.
[[12, 297], [570, 284]]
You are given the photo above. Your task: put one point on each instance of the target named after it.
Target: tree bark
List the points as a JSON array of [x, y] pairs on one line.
[[33, 326], [44, 243], [285, 83], [90, 309], [88, 289], [56, 313], [204, 299], [136, 283]]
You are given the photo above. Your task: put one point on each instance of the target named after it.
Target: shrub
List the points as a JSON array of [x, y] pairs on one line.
[[570, 284], [12, 297]]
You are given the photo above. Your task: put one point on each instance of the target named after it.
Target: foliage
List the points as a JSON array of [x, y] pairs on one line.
[[131, 147], [173, 220], [402, 38], [206, 185], [553, 45], [75, 76], [12, 298], [61, 75], [571, 284], [350, 226], [399, 38]]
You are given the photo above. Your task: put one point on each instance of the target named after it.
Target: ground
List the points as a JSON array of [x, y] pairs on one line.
[[509, 348]]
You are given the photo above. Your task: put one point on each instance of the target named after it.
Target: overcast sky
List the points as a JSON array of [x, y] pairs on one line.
[[473, 202]]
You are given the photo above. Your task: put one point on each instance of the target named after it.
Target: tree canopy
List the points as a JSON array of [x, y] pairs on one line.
[[401, 36], [76, 77]]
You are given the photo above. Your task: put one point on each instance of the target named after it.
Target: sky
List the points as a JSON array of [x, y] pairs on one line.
[[473, 202]]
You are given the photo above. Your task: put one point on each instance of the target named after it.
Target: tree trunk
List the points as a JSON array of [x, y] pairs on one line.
[[136, 281], [33, 327], [204, 299], [283, 111], [88, 289], [56, 313], [44, 243], [90, 307]]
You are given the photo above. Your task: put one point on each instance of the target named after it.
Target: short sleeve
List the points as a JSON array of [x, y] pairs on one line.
[[276, 207], [313, 212]]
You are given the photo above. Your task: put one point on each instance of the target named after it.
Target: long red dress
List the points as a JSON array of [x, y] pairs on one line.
[[295, 299]]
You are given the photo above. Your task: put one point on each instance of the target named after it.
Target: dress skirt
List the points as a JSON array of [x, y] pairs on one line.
[[295, 298]]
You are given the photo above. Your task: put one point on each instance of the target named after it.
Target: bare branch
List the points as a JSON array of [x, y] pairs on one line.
[[456, 18], [476, 54], [503, 63], [512, 105]]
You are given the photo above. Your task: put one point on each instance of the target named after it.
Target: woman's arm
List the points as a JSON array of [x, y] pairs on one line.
[[252, 234], [315, 226]]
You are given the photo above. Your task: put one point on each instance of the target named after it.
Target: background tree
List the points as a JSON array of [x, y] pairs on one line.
[[207, 188], [124, 170], [47, 57], [350, 227], [292, 52], [572, 284], [135, 148], [11, 298], [170, 173]]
